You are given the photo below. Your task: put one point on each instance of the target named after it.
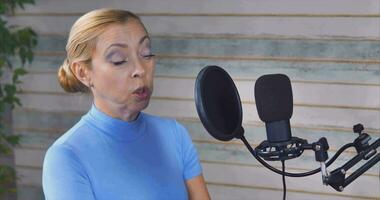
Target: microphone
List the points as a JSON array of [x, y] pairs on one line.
[[274, 103]]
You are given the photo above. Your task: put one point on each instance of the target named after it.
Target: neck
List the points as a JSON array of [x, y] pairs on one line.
[[116, 111]]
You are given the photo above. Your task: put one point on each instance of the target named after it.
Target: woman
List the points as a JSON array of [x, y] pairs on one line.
[[116, 151]]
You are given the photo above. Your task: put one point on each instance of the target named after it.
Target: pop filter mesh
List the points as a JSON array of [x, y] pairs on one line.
[[218, 103]]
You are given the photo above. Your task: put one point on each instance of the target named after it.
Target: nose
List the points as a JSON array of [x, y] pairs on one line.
[[139, 69]]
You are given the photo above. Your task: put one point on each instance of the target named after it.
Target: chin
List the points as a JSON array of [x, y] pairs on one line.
[[139, 106], [145, 105]]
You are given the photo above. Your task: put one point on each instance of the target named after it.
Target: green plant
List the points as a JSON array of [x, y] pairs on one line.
[[14, 42]]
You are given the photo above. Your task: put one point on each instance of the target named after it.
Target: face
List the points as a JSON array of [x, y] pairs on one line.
[[122, 69]]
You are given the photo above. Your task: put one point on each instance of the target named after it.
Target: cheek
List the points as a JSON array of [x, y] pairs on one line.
[[112, 83], [150, 74]]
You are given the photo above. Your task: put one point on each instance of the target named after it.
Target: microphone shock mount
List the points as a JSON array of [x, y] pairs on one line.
[[275, 151]]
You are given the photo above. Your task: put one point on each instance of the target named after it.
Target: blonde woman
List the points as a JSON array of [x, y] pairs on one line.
[[115, 151]]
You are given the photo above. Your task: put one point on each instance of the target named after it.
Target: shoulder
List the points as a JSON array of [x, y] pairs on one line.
[[69, 144], [63, 146], [59, 158], [67, 150], [62, 166], [59, 152], [71, 135]]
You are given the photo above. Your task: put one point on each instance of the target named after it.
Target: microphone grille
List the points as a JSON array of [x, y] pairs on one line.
[[274, 98]]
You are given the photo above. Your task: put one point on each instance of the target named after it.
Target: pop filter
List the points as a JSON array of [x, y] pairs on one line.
[[218, 103]]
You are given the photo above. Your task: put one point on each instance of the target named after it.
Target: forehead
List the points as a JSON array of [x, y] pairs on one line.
[[129, 33]]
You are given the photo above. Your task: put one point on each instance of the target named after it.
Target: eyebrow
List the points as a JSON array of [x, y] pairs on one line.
[[143, 38], [123, 45]]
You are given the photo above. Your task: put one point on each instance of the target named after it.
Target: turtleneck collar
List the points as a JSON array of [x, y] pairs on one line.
[[116, 128]]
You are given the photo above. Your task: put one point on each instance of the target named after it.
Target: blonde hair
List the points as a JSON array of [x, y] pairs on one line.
[[81, 43]]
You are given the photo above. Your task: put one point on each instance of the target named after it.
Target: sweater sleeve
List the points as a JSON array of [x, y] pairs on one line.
[[191, 164], [64, 177]]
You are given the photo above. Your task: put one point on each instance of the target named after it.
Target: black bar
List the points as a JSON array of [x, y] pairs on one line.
[[362, 169], [375, 144], [361, 155]]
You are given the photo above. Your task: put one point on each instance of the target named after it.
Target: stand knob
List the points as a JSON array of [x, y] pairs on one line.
[[358, 128]]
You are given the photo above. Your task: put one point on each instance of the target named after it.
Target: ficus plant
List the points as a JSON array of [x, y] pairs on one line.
[[16, 49]]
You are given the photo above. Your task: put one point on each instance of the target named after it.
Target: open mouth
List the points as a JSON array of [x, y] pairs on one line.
[[142, 93]]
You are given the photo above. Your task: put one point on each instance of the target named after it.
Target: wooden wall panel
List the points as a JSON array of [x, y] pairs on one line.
[[321, 94], [213, 6], [225, 25]]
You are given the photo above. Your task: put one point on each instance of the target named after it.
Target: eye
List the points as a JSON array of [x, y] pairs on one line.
[[149, 56], [116, 58], [119, 62]]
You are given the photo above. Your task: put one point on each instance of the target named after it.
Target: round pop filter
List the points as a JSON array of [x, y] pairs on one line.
[[218, 103]]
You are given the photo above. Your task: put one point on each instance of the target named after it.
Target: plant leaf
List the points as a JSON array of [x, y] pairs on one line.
[[13, 139]]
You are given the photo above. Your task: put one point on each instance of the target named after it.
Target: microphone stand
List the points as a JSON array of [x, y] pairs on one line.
[[337, 179], [295, 147]]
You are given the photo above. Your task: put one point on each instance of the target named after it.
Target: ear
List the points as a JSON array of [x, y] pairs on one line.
[[81, 72]]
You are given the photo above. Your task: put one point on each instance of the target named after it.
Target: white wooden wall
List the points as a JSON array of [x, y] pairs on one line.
[[329, 48]]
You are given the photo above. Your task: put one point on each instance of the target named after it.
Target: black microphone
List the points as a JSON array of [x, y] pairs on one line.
[[274, 103]]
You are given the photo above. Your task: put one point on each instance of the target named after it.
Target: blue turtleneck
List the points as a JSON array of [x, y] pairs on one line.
[[106, 158]]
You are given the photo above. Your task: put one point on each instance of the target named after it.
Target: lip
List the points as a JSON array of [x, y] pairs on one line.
[[141, 93]]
